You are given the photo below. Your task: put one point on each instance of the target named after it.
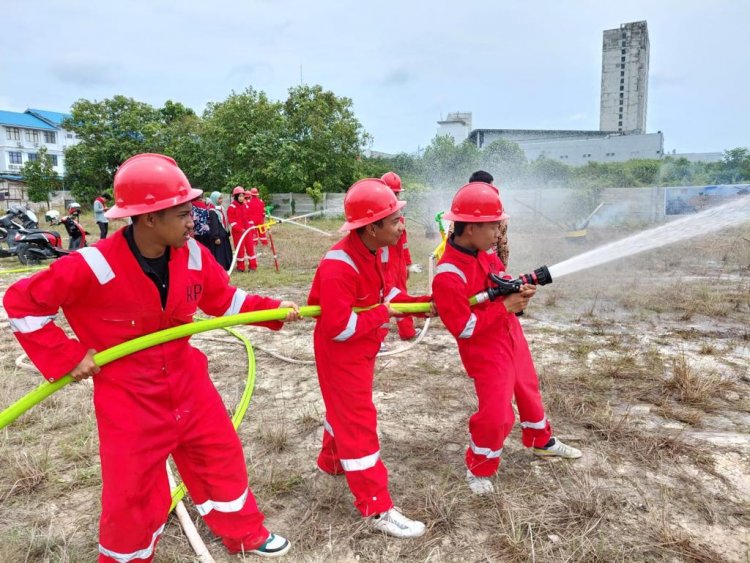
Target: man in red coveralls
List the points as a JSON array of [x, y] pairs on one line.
[[239, 221], [257, 214], [397, 261], [346, 343], [149, 276], [490, 339]]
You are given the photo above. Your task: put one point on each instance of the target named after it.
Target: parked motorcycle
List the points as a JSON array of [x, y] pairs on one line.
[[17, 218]]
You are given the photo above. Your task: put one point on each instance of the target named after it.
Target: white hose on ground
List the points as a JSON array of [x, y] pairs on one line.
[[191, 532], [322, 232]]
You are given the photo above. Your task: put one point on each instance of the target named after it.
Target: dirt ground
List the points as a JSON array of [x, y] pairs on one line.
[[643, 365]]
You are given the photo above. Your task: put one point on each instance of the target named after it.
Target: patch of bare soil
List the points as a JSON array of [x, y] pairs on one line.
[[643, 365]]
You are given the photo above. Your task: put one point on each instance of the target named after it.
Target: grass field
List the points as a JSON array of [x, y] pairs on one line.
[[643, 365]]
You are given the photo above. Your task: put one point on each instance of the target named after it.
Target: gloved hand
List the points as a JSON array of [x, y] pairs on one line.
[[414, 268]]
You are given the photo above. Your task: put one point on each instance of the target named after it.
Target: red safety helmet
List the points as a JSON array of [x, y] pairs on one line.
[[149, 182], [238, 190], [393, 180], [254, 191], [476, 202], [367, 201]]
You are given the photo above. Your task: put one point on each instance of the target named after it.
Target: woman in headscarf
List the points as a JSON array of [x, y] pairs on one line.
[[218, 237]]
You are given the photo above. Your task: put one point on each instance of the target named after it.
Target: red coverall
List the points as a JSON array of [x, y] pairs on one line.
[[396, 259], [153, 403], [239, 222], [346, 343], [495, 355], [257, 211]]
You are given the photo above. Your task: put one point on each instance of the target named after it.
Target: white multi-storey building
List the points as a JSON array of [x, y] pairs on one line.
[[22, 135], [624, 96]]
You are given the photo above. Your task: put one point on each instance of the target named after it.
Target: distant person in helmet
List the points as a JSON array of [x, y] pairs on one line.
[[239, 221], [72, 225], [502, 250], [397, 261], [346, 343], [100, 206], [257, 210], [490, 339], [148, 276]]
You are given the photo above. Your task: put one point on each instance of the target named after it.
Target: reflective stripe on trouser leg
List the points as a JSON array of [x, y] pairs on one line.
[[346, 386], [536, 430], [250, 252], [492, 422], [239, 250], [135, 488], [328, 458], [210, 461]]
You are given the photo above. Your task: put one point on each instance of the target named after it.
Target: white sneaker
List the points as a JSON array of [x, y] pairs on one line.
[[558, 449], [396, 524], [275, 546], [479, 485]]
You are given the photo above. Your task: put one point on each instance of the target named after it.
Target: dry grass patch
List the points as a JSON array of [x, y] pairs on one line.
[[693, 388]]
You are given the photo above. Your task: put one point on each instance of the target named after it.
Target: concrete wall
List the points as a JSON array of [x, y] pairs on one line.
[[577, 147], [625, 64], [546, 206]]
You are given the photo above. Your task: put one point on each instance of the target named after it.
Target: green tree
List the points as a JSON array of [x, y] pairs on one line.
[[447, 165], [240, 143], [323, 139], [550, 172], [505, 160], [109, 132], [40, 177]]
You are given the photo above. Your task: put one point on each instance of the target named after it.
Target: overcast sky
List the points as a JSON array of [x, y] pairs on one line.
[[513, 64]]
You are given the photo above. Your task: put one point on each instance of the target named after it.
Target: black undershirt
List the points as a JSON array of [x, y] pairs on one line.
[[157, 269]]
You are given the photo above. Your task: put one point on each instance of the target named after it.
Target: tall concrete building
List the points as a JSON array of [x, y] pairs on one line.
[[624, 96]]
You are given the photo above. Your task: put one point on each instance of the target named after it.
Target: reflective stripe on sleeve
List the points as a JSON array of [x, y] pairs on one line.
[[351, 326], [236, 305], [29, 324], [98, 264], [195, 260], [450, 268], [469, 328], [541, 425], [385, 255], [222, 506], [144, 553], [486, 452], [341, 256], [360, 463], [327, 426], [391, 294]]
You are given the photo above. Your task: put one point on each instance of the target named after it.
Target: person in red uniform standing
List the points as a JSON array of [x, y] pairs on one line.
[[239, 222], [257, 211], [346, 343], [490, 339], [397, 261], [148, 276]]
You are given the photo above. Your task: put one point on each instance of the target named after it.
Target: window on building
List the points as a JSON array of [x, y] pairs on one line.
[[32, 156], [52, 159], [622, 88], [622, 73], [622, 59], [32, 135], [13, 133], [622, 52], [50, 137], [622, 81], [619, 123], [14, 157], [622, 95], [619, 116], [622, 66], [69, 136]]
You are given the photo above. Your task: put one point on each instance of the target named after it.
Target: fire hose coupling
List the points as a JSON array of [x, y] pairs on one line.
[[540, 276]]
